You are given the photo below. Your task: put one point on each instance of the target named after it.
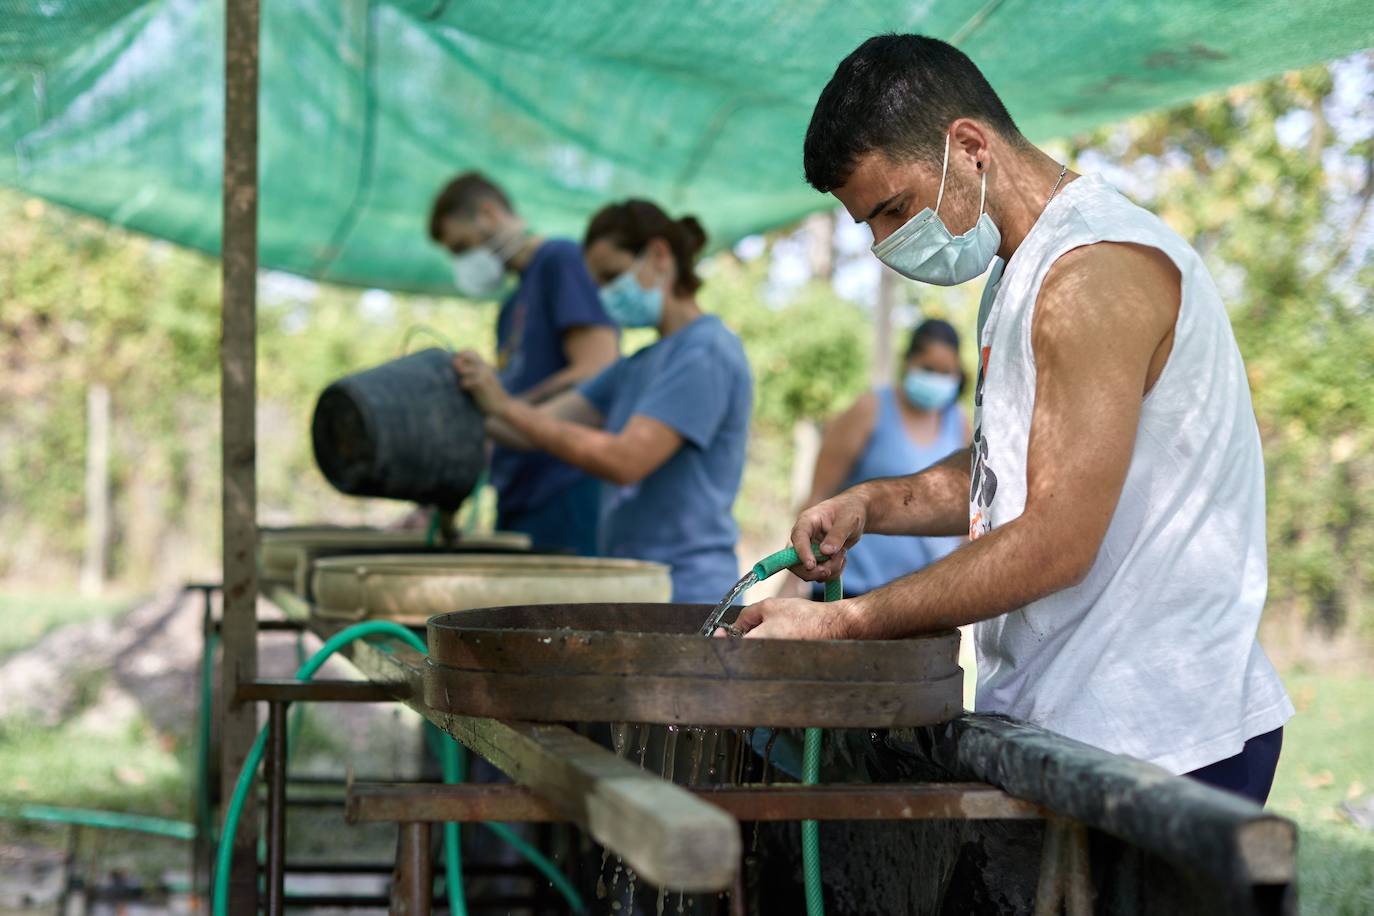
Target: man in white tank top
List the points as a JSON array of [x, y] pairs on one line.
[[1114, 491]]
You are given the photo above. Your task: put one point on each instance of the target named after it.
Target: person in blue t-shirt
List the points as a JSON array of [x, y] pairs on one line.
[[551, 334], [891, 432], [666, 428]]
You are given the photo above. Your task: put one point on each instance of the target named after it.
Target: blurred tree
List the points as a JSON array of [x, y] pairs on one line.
[[1273, 184]]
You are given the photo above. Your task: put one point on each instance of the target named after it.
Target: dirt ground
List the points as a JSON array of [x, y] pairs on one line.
[[138, 672]]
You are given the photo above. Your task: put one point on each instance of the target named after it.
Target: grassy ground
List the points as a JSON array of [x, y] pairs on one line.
[[83, 762], [28, 615], [1328, 758]]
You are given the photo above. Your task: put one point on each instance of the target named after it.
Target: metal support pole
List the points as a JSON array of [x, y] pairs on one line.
[[276, 808], [413, 882], [201, 804], [238, 394]]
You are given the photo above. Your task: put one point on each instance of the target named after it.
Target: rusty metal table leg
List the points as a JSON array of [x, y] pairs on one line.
[[413, 881], [276, 809]]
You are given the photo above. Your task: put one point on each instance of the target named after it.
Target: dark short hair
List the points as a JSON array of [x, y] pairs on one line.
[[897, 94], [632, 224], [460, 197], [934, 330]]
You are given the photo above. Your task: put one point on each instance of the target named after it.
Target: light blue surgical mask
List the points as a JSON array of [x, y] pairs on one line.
[[629, 304], [923, 249], [929, 390]]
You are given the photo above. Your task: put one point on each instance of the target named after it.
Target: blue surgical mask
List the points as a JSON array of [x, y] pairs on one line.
[[629, 304], [923, 249], [929, 390]]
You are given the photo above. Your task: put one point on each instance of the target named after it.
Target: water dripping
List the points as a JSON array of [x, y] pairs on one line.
[[767, 760], [710, 752], [698, 738], [643, 743], [718, 613], [670, 753]]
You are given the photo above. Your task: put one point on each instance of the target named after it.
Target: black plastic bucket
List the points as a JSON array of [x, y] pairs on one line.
[[402, 430]]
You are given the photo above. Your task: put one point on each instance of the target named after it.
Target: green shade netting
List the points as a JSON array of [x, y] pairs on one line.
[[114, 107]]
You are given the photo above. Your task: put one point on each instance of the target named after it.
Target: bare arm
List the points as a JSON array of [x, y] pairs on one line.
[[930, 503], [568, 428], [570, 406], [622, 458], [1103, 325], [589, 349], [842, 444]]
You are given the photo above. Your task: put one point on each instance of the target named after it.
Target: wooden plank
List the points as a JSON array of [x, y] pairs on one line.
[[402, 802], [1199, 828], [320, 690], [238, 394], [661, 831]]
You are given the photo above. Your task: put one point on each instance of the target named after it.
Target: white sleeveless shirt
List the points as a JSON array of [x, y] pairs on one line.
[[1154, 654]]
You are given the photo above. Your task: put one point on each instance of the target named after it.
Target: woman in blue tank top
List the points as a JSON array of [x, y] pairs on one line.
[[892, 432]]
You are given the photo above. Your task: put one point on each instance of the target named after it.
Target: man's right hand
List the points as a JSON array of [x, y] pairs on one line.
[[836, 525]]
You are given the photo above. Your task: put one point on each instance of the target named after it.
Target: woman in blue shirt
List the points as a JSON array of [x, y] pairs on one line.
[[665, 429], [892, 432]]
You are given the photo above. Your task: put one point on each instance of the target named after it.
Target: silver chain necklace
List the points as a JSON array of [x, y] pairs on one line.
[[1062, 172]]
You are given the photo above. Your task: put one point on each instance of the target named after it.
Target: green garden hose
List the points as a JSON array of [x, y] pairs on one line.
[[109, 820], [811, 746], [454, 758], [432, 532], [452, 763]]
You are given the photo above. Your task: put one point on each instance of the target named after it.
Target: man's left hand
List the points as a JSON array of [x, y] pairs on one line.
[[479, 380], [795, 618]]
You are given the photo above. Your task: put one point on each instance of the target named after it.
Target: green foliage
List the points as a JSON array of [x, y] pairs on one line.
[[87, 303], [809, 354], [1277, 227]]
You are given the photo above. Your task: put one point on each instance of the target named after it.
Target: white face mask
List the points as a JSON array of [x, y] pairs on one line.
[[479, 272], [924, 249]]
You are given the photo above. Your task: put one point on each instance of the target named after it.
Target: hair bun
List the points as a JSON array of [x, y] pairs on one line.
[[693, 233]]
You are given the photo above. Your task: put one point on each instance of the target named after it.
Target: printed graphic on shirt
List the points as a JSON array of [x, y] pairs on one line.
[[510, 357], [982, 488]]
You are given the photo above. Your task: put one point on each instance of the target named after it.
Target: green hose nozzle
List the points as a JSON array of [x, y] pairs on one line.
[[786, 558]]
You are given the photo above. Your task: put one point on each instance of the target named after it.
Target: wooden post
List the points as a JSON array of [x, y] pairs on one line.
[[820, 244], [882, 327], [97, 489], [238, 398], [806, 448]]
